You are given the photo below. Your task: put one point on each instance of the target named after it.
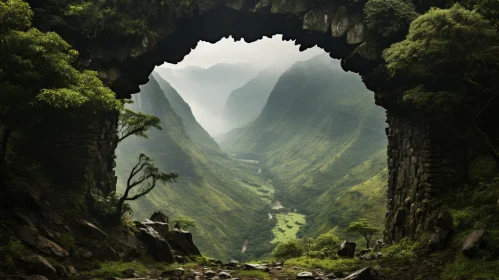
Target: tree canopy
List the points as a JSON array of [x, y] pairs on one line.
[[184, 222], [135, 123], [364, 228], [389, 17], [448, 65], [38, 74]]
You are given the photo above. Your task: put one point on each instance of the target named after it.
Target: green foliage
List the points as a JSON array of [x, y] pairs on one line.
[[14, 15], [364, 228], [38, 75], [488, 8], [104, 208], [96, 19], [329, 265], [323, 246], [389, 17], [184, 222], [9, 252], [466, 268], [404, 249], [326, 244], [461, 71], [116, 268], [135, 123], [449, 66], [288, 249], [252, 274], [67, 241]]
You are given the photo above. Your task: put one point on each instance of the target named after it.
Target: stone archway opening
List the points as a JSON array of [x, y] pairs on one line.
[[291, 211], [338, 31], [420, 155]]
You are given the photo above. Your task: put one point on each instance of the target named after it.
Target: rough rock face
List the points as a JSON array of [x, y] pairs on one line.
[[363, 274], [90, 230], [36, 264], [30, 236], [162, 228], [182, 241], [422, 163], [472, 242], [155, 244]]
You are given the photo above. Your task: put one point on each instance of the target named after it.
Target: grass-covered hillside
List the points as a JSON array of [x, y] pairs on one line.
[[321, 140], [193, 129], [245, 103], [226, 210], [206, 90]]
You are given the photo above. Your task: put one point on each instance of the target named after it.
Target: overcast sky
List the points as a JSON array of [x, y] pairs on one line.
[[261, 53]]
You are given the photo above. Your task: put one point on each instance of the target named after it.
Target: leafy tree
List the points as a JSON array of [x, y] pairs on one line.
[[135, 123], [307, 244], [364, 228], [326, 243], [288, 249], [37, 75], [147, 176], [389, 17], [184, 222], [449, 63], [488, 8]]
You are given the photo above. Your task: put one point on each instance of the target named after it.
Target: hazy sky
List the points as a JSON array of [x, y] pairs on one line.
[[262, 53]]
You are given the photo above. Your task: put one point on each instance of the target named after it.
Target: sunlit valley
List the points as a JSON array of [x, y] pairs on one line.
[[274, 145]]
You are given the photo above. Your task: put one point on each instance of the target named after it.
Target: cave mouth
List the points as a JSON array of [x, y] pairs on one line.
[[223, 21]]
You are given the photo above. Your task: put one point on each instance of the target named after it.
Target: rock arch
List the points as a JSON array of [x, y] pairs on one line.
[[422, 160]]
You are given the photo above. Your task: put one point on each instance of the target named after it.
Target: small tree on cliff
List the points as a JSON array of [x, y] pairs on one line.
[[184, 222], [364, 228], [143, 178], [135, 123]]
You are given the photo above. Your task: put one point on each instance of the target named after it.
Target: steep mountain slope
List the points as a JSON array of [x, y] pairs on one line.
[[245, 103], [319, 137], [195, 131], [226, 211], [206, 90]]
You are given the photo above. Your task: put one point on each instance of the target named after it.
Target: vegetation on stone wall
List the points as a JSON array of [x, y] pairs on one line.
[[449, 67], [38, 76]]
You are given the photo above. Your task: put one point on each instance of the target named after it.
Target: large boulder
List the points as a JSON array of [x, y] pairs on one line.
[[181, 241], [36, 264], [156, 245], [256, 266], [160, 227], [305, 275], [347, 249], [472, 242], [126, 244], [30, 236], [363, 274]]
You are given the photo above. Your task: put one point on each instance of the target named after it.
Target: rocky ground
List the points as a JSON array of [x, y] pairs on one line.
[[236, 271]]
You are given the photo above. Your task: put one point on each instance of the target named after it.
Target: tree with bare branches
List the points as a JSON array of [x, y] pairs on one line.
[[143, 178]]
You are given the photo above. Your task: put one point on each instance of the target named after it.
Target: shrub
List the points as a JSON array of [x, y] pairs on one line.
[[288, 249]]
